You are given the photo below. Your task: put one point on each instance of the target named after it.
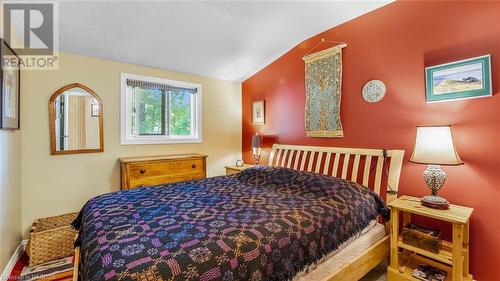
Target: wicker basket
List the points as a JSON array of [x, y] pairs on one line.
[[51, 239]]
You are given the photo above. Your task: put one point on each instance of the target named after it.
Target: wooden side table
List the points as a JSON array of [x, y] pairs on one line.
[[453, 257], [235, 169]]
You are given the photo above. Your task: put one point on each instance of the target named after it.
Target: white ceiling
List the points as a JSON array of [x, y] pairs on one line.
[[219, 39]]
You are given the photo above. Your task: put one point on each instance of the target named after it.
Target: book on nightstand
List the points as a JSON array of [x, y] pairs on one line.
[[428, 273]]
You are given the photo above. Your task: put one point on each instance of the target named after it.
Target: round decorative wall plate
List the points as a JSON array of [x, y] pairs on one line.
[[373, 91]]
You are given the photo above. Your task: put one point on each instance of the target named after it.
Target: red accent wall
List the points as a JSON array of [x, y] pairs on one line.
[[394, 44]]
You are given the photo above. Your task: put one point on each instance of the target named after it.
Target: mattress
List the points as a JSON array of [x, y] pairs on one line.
[[346, 253]]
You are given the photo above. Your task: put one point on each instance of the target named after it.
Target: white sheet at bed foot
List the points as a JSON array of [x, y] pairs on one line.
[[349, 251]]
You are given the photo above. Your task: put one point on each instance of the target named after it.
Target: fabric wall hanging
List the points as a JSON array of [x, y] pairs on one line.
[[323, 78]]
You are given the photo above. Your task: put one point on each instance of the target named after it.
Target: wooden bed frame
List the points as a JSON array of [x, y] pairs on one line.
[[349, 161]]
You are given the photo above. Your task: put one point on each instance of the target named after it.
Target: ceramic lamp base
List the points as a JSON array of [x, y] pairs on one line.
[[436, 202]]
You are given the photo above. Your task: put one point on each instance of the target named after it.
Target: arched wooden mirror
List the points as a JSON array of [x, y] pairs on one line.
[[76, 124]]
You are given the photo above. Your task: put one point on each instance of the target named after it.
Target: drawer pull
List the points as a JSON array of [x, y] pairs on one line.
[[193, 165], [143, 171]]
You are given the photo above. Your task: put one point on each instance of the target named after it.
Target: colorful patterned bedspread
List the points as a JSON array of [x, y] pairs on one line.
[[261, 224]]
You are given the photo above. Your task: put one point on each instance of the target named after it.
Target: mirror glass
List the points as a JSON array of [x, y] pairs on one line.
[[76, 120]]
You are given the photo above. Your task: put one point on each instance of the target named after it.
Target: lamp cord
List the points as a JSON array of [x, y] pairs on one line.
[[391, 191], [386, 169]]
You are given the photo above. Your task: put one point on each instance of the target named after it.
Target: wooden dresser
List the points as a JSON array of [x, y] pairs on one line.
[[155, 170]]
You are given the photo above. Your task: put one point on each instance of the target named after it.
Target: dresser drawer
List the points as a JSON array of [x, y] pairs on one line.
[[164, 179], [143, 170], [156, 170]]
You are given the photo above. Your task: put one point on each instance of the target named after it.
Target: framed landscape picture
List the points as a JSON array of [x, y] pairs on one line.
[[258, 112], [9, 88], [465, 79]]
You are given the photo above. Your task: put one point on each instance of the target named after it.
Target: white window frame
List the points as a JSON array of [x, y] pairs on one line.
[[127, 138]]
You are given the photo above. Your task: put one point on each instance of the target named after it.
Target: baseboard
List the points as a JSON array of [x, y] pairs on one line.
[[13, 259]]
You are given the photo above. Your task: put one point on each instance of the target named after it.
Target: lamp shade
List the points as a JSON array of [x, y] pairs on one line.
[[256, 141], [434, 145]]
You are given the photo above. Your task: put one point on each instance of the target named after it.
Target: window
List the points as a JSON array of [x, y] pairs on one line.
[[155, 110]]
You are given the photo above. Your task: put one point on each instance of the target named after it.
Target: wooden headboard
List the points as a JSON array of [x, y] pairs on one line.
[[349, 161]]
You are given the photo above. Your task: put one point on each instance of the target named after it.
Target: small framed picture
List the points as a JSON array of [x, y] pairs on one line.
[[9, 88], [258, 112], [465, 79]]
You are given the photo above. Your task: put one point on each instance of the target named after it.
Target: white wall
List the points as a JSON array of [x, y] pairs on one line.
[[10, 189], [10, 194], [53, 185]]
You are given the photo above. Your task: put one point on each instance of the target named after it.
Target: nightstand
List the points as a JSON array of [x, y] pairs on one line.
[[235, 169], [453, 257]]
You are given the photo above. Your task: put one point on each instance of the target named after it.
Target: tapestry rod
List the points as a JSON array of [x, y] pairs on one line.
[[343, 45]]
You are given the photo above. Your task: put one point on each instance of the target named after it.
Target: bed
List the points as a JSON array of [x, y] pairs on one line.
[[290, 220]]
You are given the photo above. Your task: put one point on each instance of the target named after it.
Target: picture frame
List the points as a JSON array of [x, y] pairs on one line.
[[9, 88], [258, 112], [458, 80]]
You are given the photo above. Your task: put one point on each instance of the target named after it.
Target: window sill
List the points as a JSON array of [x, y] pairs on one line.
[[160, 141]]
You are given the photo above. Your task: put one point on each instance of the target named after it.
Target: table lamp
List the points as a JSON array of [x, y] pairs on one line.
[[256, 147], [434, 146]]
